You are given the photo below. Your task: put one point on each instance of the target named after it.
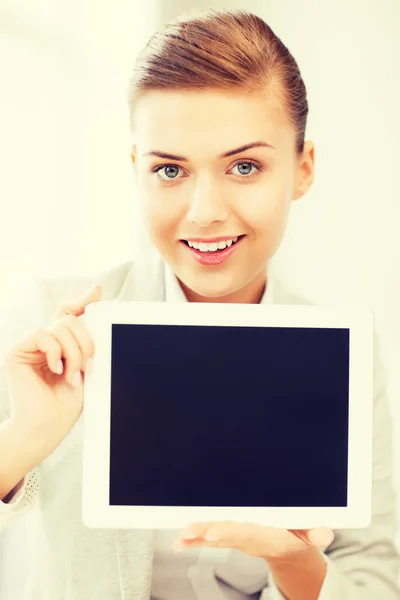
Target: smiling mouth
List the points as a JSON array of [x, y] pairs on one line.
[[213, 247]]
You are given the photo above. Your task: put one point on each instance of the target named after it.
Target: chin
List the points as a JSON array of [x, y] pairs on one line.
[[214, 294], [211, 292]]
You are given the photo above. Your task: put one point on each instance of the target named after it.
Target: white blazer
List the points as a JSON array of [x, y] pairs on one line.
[[67, 561]]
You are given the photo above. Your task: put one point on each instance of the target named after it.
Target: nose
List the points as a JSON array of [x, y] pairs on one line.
[[207, 204]]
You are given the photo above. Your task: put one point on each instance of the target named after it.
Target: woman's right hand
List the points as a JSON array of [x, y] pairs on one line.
[[44, 377]]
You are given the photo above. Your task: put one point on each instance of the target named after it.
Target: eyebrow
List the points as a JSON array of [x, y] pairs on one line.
[[169, 156]]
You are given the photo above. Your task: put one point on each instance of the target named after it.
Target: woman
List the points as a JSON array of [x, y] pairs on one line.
[[218, 116]]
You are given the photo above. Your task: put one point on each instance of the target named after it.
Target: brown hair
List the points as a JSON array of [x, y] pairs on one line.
[[213, 49]]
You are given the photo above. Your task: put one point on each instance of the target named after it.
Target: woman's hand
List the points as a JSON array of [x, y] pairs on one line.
[[270, 543], [44, 376]]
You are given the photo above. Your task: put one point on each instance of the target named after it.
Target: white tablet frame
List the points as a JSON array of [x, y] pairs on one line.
[[99, 318]]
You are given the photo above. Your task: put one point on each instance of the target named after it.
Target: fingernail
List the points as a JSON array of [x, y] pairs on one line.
[[76, 379], [329, 539], [92, 289], [176, 546], [190, 536], [89, 366], [211, 537], [322, 539], [59, 367]]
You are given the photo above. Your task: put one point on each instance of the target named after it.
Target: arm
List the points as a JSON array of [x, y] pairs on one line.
[[12, 468], [300, 578], [18, 484], [31, 311], [362, 564]]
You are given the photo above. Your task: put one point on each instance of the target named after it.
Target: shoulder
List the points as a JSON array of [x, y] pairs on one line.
[[59, 289], [283, 294], [139, 278]]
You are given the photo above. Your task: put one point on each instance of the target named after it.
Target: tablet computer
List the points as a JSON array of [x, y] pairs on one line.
[[209, 412]]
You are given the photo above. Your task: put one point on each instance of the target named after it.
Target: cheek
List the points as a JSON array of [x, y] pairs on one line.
[[160, 213], [266, 208]]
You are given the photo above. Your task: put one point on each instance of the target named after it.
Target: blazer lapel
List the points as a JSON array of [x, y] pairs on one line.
[[144, 281]]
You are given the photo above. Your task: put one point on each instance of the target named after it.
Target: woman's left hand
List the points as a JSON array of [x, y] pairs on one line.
[[269, 543]]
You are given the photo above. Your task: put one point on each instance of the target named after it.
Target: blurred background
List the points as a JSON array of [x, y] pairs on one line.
[[67, 197]]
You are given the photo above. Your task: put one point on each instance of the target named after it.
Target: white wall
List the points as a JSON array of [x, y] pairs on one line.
[[66, 182], [66, 196]]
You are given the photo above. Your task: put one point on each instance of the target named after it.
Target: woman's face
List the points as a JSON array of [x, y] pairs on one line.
[[216, 173]]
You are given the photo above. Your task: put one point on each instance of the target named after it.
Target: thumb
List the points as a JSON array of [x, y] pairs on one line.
[[321, 537], [77, 306]]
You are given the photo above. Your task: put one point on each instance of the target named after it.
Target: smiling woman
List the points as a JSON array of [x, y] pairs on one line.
[[230, 171], [218, 117]]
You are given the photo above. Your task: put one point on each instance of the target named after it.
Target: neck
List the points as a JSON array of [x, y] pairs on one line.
[[251, 293]]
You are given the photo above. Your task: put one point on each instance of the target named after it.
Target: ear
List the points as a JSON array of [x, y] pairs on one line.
[[133, 153], [305, 171]]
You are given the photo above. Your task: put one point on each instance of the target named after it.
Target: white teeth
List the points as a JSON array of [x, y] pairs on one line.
[[213, 247]]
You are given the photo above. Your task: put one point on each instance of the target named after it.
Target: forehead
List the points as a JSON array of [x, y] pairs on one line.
[[197, 122]]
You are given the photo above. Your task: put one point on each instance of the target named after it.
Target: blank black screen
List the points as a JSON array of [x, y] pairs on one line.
[[229, 416]]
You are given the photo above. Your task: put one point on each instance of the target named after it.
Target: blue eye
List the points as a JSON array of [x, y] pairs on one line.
[[169, 171], [245, 167]]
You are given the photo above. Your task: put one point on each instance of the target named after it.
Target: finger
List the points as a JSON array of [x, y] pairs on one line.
[[71, 352], [321, 537], [192, 535], [301, 534], [42, 342], [234, 533], [77, 306], [195, 530], [52, 349], [219, 534], [82, 337]]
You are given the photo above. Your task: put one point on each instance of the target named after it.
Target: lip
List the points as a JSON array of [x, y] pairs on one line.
[[213, 258], [211, 240]]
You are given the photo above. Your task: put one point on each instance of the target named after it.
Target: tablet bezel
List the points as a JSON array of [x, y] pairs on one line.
[[99, 318]]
